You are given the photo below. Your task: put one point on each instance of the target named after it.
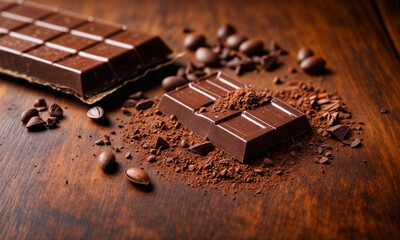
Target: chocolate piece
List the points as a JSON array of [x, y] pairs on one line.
[[97, 30], [35, 124], [8, 24], [28, 12], [96, 113], [28, 114], [71, 43], [339, 131], [150, 49], [161, 144], [138, 176], [63, 21], [55, 110], [356, 143], [202, 148], [240, 133], [71, 52], [6, 4], [35, 33]]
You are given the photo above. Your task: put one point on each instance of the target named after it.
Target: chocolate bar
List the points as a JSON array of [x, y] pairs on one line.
[[70, 51], [241, 133]]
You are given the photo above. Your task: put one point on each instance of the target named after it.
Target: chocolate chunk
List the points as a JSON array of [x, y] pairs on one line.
[[99, 142], [129, 103], [339, 131], [106, 160], [144, 104], [324, 160], [41, 102], [51, 122], [194, 41], [384, 110], [55, 110], [96, 113], [277, 80], [224, 31], [234, 62], [72, 52], [356, 143], [202, 148], [137, 175], [136, 95], [172, 82], [206, 56], [35, 124], [313, 64], [161, 144], [234, 41], [230, 115], [28, 114], [251, 47], [268, 62], [304, 53]]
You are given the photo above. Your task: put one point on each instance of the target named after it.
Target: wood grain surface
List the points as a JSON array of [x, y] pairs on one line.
[[51, 186]]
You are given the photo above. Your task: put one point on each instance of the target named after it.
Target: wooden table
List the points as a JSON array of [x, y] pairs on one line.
[[359, 39]]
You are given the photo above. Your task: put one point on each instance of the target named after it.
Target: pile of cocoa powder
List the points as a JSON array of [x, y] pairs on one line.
[[217, 170], [241, 99]]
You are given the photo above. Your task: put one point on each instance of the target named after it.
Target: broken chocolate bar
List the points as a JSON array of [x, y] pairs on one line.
[[69, 51], [241, 133]]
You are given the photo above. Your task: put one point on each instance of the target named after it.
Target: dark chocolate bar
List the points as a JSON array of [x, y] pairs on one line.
[[242, 134], [71, 51]]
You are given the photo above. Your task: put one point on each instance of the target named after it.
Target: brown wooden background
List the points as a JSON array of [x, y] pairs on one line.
[[360, 40]]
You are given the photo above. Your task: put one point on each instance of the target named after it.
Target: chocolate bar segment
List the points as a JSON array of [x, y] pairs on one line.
[[72, 52], [241, 133], [63, 21], [28, 12]]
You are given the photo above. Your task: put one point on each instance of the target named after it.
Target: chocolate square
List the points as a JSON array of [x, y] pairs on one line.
[[28, 12], [97, 30], [81, 74], [63, 21], [36, 33], [71, 43], [9, 24], [123, 61]]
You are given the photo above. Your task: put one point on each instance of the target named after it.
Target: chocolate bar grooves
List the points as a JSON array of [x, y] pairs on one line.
[[72, 52], [241, 133]]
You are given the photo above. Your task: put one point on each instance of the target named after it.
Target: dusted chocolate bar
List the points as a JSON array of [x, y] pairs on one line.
[[73, 52], [241, 132]]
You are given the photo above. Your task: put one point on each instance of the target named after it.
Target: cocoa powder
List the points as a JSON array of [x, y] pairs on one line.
[[217, 170]]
